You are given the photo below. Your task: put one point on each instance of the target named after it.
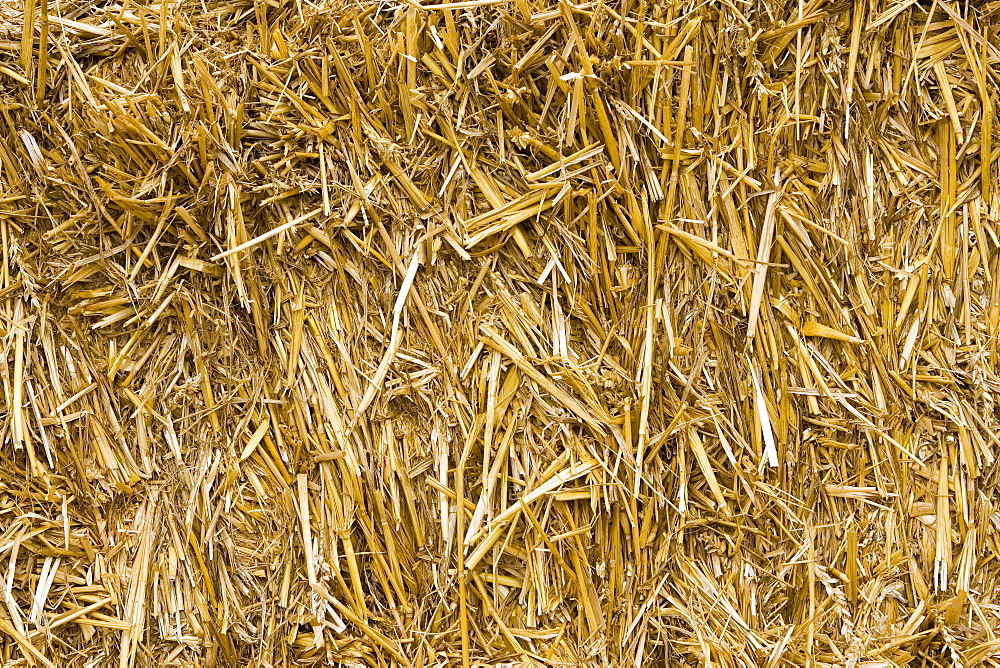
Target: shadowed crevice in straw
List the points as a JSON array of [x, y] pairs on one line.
[[499, 333]]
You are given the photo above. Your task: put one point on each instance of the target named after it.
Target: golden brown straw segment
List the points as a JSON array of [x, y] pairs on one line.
[[499, 333]]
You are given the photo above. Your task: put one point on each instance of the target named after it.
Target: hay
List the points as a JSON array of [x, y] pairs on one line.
[[482, 332]]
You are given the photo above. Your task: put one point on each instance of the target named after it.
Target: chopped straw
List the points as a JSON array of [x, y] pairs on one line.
[[499, 332]]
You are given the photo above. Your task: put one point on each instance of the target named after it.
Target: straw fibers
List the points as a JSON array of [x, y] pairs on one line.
[[499, 332]]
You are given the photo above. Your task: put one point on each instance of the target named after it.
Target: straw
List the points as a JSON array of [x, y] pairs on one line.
[[499, 332]]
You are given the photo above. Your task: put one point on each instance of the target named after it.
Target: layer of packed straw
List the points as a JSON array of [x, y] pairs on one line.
[[489, 332]]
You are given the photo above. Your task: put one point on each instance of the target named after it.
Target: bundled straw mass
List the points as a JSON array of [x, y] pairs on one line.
[[499, 332]]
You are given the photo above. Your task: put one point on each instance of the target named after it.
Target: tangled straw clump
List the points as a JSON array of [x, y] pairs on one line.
[[499, 332]]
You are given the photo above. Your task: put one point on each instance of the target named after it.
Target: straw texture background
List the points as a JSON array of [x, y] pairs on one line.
[[499, 333]]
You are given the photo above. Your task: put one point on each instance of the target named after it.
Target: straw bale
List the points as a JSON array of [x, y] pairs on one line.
[[499, 332]]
